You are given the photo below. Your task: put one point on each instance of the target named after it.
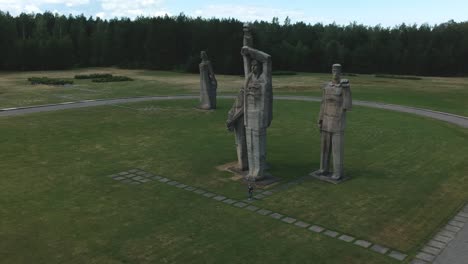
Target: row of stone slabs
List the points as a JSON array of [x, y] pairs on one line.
[[440, 241], [138, 176]]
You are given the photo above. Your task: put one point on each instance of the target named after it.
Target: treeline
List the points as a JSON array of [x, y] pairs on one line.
[[50, 41]]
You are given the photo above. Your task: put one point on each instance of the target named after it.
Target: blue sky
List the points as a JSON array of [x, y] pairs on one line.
[[386, 13]]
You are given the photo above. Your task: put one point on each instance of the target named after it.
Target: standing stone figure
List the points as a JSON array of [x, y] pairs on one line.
[[258, 101], [235, 120], [208, 84], [336, 101]]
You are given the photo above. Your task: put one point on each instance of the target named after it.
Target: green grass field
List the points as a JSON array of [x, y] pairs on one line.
[[441, 94], [409, 176]]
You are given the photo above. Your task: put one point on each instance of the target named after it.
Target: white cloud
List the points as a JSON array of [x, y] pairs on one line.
[[15, 7], [255, 12], [132, 8]]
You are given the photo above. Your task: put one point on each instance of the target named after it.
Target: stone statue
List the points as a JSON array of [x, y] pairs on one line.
[[336, 101], [258, 102], [208, 84], [235, 120]]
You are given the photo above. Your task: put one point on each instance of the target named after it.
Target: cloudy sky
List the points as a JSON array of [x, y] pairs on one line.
[[386, 13]]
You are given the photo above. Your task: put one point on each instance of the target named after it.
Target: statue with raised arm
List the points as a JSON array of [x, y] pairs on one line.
[[235, 120], [258, 101], [336, 101], [208, 84]]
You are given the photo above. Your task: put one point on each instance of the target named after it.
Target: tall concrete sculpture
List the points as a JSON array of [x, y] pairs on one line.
[[208, 84], [336, 101], [258, 102], [235, 120]]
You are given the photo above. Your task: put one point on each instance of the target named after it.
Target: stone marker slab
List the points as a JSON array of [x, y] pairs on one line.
[[189, 188], [397, 255], [288, 220], [133, 170], [240, 204], [436, 244], [431, 250], [209, 195], [425, 256], [199, 191], [157, 177], [123, 173], [144, 180], [164, 180], [252, 208], [137, 178], [127, 181], [363, 243], [456, 223], [346, 238], [316, 228], [442, 239], [447, 233], [276, 215], [462, 214], [181, 185], [264, 212], [119, 178], [140, 173], [173, 183], [379, 249], [219, 198], [259, 196], [331, 233], [461, 219], [452, 228], [130, 175], [301, 224], [227, 201]]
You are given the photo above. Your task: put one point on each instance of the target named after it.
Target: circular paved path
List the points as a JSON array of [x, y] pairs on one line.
[[447, 117]]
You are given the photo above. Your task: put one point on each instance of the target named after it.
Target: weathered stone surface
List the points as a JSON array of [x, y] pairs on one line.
[[288, 220], [252, 208], [129, 175], [316, 228], [264, 212], [331, 233], [397, 255], [119, 178], [462, 214], [301, 224], [209, 195], [173, 182], [461, 219], [208, 83], [436, 244], [276, 215], [199, 191], [181, 185], [133, 170], [240, 204], [227, 201], [363, 243], [127, 181], [189, 188], [442, 239], [431, 250], [123, 173], [157, 178], [456, 223], [143, 180], [380, 249], [418, 261], [140, 173], [164, 180], [259, 196], [336, 101], [346, 238], [447, 233], [220, 198], [267, 193], [137, 178], [452, 228], [425, 256]]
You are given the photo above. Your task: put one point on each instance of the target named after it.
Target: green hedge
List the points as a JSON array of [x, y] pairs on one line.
[[93, 76], [49, 81], [113, 79], [397, 77]]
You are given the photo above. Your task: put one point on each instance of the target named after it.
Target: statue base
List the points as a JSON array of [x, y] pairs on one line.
[[327, 178], [233, 167]]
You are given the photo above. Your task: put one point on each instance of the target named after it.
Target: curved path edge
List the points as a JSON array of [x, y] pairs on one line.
[[458, 120]]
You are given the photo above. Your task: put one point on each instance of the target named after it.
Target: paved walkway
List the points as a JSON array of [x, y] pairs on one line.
[[447, 117]]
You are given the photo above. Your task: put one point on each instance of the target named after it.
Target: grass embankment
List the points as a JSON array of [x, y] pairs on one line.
[[441, 94], [409, 175]]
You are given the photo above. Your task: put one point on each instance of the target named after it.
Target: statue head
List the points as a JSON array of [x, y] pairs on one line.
[[336, 71], [256, 67], [203, 55], [246, 27]]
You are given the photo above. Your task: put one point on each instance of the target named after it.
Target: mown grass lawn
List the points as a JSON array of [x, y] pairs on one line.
[[441, 94], [409, 175]]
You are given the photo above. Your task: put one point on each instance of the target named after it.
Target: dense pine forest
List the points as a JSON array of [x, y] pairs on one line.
[[50, 41]]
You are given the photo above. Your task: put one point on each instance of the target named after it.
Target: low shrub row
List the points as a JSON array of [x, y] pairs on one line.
[[349, 74], [49, 81], [397, 77], [93, 76], [283, 73], [113, 79]]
